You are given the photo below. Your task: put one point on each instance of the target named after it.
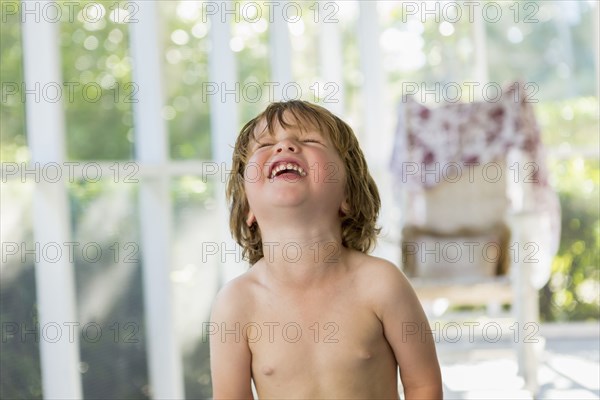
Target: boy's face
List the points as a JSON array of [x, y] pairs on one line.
[[293, 167]]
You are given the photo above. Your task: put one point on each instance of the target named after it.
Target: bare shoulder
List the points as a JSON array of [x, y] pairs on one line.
[[382, 282], [235, 299], [378, 272]]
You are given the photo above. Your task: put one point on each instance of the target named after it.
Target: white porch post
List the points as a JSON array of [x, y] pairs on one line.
[[55, 284], [280, 56], [379, 117], [370, 65], [331, 57], [525, 225], [151, 146], [224, 122]]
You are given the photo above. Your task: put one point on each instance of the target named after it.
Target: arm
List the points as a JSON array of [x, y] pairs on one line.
[[230, 357], [407, 330]]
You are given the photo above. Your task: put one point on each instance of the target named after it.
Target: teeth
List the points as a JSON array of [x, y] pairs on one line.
[[290, 166]]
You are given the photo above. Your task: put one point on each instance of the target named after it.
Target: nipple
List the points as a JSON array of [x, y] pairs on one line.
[[266, 370]]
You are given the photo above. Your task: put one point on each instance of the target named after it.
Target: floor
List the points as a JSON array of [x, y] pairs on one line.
[[478, 360]]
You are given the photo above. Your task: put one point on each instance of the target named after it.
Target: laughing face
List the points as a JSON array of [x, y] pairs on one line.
[[295, 166]]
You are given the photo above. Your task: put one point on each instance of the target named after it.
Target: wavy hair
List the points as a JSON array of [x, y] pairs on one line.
[[358, 223]]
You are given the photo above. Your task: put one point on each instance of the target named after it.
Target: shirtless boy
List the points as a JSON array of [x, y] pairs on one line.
[[315, 317]]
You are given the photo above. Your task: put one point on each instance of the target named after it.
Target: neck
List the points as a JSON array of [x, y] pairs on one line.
[[302, 254]]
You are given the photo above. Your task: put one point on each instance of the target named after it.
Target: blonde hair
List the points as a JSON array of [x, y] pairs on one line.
[[359, 230]]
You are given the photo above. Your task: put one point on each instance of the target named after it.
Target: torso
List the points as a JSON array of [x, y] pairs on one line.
[[318, 343]]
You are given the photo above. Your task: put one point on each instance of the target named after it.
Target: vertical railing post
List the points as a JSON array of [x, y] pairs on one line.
[[280, 55], [224, 123], [55, 281], [151, 148], [372, 88], [331, 59]]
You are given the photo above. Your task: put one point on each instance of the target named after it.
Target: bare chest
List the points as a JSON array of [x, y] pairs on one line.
[[321, 339]]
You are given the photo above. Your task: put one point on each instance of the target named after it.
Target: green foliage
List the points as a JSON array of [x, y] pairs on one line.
[[545, 43], [252, 64], [570, 124], [573, 292], [185, 67], [13, 142], [98, 91]]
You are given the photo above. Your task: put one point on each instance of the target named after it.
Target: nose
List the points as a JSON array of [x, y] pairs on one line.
[[286, 145]]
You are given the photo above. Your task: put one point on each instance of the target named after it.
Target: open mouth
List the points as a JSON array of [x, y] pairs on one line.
[[287, 169]]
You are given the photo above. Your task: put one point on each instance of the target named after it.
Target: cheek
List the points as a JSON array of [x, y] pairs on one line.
[[333, 180], [252, 173], [325, 167], [251, 194], [332, 172], [254, 167]]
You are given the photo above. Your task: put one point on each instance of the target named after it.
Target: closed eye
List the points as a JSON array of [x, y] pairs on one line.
[[310, 141], [261, 145]]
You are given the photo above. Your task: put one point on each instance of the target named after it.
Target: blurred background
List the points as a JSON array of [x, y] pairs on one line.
[[347, 56]]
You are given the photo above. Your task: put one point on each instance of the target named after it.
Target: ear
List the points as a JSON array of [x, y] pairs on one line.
[[251, 219], [344, 208]]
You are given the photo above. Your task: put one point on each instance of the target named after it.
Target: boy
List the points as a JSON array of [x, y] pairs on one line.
[[315, 317]]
